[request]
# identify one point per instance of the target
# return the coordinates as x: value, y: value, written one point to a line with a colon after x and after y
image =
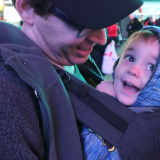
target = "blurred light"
x: 11, y: 15
x: 1, y: 2
x: 7, y: 2
x: 148, y: 9
x: 1, y: 8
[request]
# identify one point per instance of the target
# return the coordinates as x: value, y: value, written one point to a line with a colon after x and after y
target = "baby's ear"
x: 115, y: 64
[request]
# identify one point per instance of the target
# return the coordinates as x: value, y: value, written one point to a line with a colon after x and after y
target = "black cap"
x: 97, y: 14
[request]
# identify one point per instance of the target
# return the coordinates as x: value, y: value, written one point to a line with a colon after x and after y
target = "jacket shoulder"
x: 19, y: 125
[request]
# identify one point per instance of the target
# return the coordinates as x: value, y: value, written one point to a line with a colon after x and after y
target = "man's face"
x: 134, y: 69
x: 59, y: 41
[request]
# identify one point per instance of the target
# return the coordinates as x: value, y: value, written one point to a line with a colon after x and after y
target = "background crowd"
x: 114, y: 32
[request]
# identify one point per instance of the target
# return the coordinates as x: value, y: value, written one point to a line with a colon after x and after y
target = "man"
x: 59, y: 32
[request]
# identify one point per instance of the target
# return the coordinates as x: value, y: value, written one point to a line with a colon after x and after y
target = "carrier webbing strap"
x: 83, y: 93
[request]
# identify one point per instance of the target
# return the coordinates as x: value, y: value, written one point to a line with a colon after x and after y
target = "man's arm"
x: 107, y: 87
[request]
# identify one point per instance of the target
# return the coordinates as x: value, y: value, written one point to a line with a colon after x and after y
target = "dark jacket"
x: 157, y: 22
x: 150, y: 23
x: 22, y: 68
x: 129, y: 29
x: 137, y: 26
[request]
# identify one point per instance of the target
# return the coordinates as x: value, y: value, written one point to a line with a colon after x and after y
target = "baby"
x: 134, y: 69
x: 136, y: 84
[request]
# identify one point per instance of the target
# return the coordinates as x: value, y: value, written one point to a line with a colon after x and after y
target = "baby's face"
x: 134, y: 69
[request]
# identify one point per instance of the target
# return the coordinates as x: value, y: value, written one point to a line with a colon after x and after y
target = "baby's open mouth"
x: 130, y: 87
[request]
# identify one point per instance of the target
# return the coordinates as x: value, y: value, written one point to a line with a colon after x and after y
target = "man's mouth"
x: 130, y: 87
x: 84, y: 49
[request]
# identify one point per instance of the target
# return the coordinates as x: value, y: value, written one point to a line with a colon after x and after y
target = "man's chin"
x: 79, y: 61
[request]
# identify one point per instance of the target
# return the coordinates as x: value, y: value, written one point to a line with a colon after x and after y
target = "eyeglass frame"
x: 80, y: 28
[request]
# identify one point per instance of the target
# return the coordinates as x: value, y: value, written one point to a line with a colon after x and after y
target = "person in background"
x: 150, y: 22
x: 137, y: 25
x: 119, y: 35
x: 129, y: 28
x: 120, y: 25
x: 37, y: 117
x: 157, y: 22
x: 113, y: 33
x: 145, y: 22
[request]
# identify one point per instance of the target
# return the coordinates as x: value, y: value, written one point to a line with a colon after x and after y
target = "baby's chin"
x: 126, y: 102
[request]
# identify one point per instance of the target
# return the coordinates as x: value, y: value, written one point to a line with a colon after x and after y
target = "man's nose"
x: 98, y: 36
x: 134, y: 70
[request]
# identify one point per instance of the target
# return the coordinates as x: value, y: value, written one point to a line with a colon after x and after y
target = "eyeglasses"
x: 82, y: 31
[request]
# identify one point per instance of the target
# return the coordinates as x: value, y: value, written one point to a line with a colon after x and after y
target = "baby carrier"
x: 136, y: 136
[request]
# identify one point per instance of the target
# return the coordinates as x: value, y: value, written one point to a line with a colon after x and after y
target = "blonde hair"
x: 145, y: 35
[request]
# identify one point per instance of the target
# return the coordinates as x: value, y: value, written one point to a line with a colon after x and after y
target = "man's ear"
x: 25, y: 11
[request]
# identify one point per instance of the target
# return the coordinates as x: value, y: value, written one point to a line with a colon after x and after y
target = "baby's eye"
x: 150, y: 67
x: 130, y: 58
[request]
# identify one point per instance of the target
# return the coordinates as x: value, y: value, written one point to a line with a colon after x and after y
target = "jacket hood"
x: 150, y: 94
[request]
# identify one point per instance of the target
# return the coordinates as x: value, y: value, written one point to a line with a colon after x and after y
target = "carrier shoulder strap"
x: 133, y: 134
x: 97, y: 111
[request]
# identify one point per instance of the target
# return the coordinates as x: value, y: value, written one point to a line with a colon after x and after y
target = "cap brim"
x: 97, y: 14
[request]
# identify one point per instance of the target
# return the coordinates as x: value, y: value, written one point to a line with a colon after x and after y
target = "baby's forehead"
x: 146, y: 49
x: 145, y: 35
x: 145, y: 40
